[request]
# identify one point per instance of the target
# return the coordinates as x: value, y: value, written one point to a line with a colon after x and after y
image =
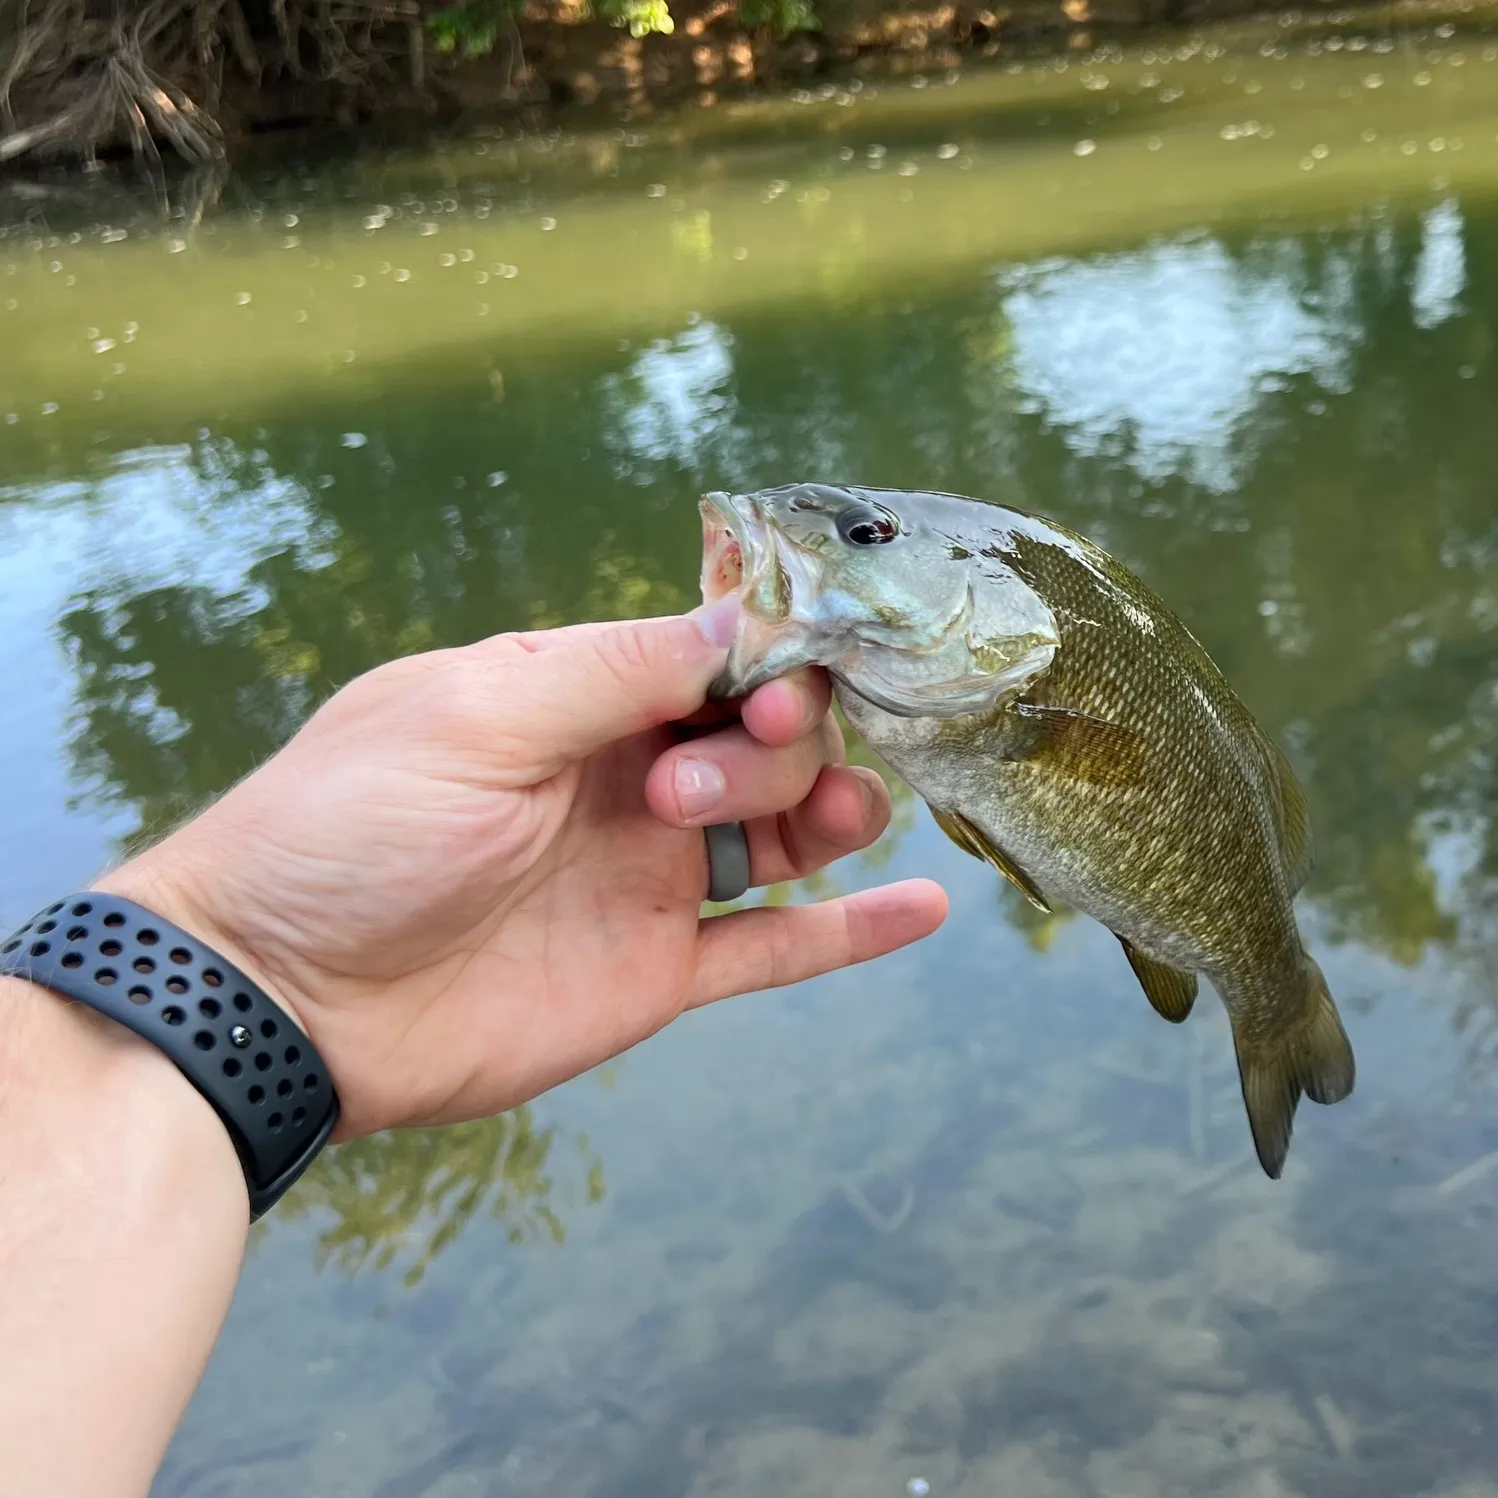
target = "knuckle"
x: 817, y: 688
x: 370, y: 694
x: 507, y: 648
x: 793, y: 845
x: 834, y: 745
x: 627, y: 653
x: 447, y: 692
x: 783, y: 957
x: 811, y: 756
x: 642, y: 668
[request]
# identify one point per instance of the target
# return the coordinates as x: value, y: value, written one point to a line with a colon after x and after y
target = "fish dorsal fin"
x: 973, y: 840
x: 1169, y: 990
x: 1077, y: 745
x: 1294, y: 819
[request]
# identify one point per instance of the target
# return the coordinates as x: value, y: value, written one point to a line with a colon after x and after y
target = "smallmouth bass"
x: 1062, y: 725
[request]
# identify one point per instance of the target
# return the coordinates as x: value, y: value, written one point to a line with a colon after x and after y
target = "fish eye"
x: 867, y: 527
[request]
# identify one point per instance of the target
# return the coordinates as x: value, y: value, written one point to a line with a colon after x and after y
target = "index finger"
x: 778, y: 714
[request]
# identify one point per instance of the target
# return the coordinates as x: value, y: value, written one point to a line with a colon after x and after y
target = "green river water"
x: 972, y: 1218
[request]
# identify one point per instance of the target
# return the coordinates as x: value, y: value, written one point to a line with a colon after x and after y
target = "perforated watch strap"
x: 239, y: 1048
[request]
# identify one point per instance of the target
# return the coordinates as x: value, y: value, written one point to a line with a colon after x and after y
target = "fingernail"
x: 699, y: 787
x: 866, y: 779
x: 718, y: 621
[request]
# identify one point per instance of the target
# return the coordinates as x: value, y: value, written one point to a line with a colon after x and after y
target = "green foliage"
x: 470, y: 27
x: 641, y: 16
x: 781, y: 16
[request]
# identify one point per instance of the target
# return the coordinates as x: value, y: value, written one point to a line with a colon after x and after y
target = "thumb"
x: 584, y: 688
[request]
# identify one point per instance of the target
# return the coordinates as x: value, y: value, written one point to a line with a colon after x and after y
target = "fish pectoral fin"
x: 1075, y: 744
x: 974, y: 840
x: 1169, y: 990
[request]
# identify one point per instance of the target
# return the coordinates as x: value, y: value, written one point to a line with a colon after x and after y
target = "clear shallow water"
x: 972, y: 1215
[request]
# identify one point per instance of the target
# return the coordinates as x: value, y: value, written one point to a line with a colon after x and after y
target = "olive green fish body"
x: 1112, y: 768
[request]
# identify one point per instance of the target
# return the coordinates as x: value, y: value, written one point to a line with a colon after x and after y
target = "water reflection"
x: 670, y: 406
x: 972, y: 1217
x: 1441, y: 270
x: 1165, y: 400
x: 1159, y: 358
x: 399, y: 1199
x: 1238, y: 419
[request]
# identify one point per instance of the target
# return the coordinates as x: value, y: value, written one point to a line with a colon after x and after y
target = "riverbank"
x: 200, y: 78
x: 712, y: 55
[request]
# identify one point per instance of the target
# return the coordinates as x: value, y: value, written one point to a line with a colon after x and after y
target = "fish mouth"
x: 724, y: 541
x: 739, y: 552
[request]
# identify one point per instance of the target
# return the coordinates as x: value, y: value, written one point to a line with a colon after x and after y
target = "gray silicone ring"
x: 727, y: 861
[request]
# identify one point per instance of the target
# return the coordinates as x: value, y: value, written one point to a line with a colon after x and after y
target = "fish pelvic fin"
x: 974, y: 840
x: 1170, y: 991
x: 1314, y: 1058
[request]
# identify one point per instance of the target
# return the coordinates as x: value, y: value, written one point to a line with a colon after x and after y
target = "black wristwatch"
x: 239, y: 1048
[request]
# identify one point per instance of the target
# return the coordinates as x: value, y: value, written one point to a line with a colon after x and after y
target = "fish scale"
x: 1064, y: 725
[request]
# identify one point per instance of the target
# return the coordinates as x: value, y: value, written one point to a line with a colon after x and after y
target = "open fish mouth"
x: 722, y: 547
x: 738, y: 551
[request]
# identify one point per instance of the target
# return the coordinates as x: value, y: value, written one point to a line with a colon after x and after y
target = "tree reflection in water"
x: 1289, y: 435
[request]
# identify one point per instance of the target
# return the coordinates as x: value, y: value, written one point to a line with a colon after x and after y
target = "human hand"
x: 477, y: 872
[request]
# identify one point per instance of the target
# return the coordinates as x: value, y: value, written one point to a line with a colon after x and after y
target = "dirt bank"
x: 552, y: 57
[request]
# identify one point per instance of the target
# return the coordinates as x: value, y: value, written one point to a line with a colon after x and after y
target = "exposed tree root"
x: 84, y: 77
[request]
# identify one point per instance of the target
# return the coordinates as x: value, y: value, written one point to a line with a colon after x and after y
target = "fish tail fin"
x: 1313, y: 1058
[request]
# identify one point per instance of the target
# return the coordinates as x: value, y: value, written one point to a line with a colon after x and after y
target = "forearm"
x: 123, y: 1215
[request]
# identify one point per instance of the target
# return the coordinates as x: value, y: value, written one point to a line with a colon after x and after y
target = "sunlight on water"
x: 1441, y: 270
x: 970, y: 1222
x: 1174, y: 345
x: 673, y: 402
